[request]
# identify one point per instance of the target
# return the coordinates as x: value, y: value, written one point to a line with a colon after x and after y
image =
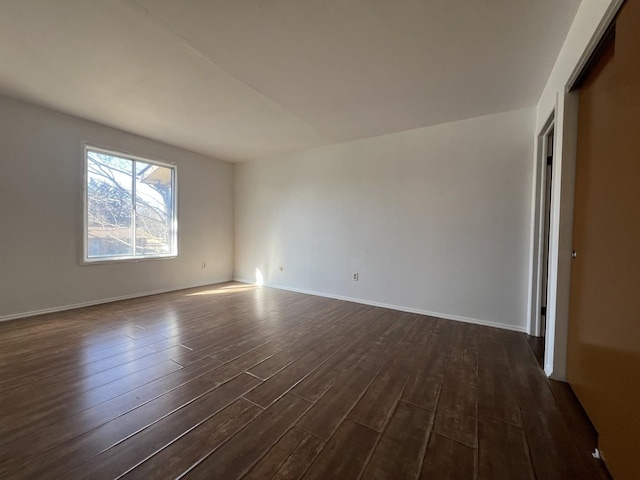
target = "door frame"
x: 539, y: 226
x: 565, y: 117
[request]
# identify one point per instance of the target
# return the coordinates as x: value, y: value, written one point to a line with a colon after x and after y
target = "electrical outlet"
x: 356, y: 276
x: 204, y: 264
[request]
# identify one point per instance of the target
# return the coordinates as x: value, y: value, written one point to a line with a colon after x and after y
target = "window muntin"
x: 129, y: 207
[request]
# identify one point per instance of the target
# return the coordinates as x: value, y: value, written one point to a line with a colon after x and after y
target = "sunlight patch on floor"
x: 222, y: 290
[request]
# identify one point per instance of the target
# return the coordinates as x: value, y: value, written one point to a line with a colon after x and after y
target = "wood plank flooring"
x: 235, y: 381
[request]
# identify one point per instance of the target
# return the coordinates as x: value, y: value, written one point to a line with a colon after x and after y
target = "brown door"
x: 603, y: 362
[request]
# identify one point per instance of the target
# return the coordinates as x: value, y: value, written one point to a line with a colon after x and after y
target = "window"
x: 129, y: 207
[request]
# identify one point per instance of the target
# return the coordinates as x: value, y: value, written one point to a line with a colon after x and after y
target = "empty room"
x: 350, y: 239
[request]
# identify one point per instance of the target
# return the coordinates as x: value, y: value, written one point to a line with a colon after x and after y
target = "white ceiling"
x: 246, y: 79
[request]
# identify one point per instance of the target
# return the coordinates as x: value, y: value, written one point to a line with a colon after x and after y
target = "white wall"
x: 435, y: 220
x: 41, y: 215
x: 591, y: 21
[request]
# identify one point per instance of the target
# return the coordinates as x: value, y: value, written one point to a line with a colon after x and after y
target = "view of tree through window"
x: 129, y: 208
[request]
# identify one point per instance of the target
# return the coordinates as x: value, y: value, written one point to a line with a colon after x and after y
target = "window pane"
x: 109, y: 205
x: 130, y: 207
x: 154, y: 202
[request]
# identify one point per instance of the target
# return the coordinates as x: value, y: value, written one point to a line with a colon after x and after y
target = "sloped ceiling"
x: 246, y: 79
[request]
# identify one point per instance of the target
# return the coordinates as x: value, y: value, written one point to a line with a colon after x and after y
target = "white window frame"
x: 85, y: 214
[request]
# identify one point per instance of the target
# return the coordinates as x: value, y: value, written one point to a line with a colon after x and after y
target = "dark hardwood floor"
x: 235, y: 381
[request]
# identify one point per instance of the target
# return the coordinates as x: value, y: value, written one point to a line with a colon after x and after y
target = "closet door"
x: 603, y: 362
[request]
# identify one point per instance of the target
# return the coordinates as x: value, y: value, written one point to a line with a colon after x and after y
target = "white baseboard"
x: 63, y: 308
x: 400, y: 308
